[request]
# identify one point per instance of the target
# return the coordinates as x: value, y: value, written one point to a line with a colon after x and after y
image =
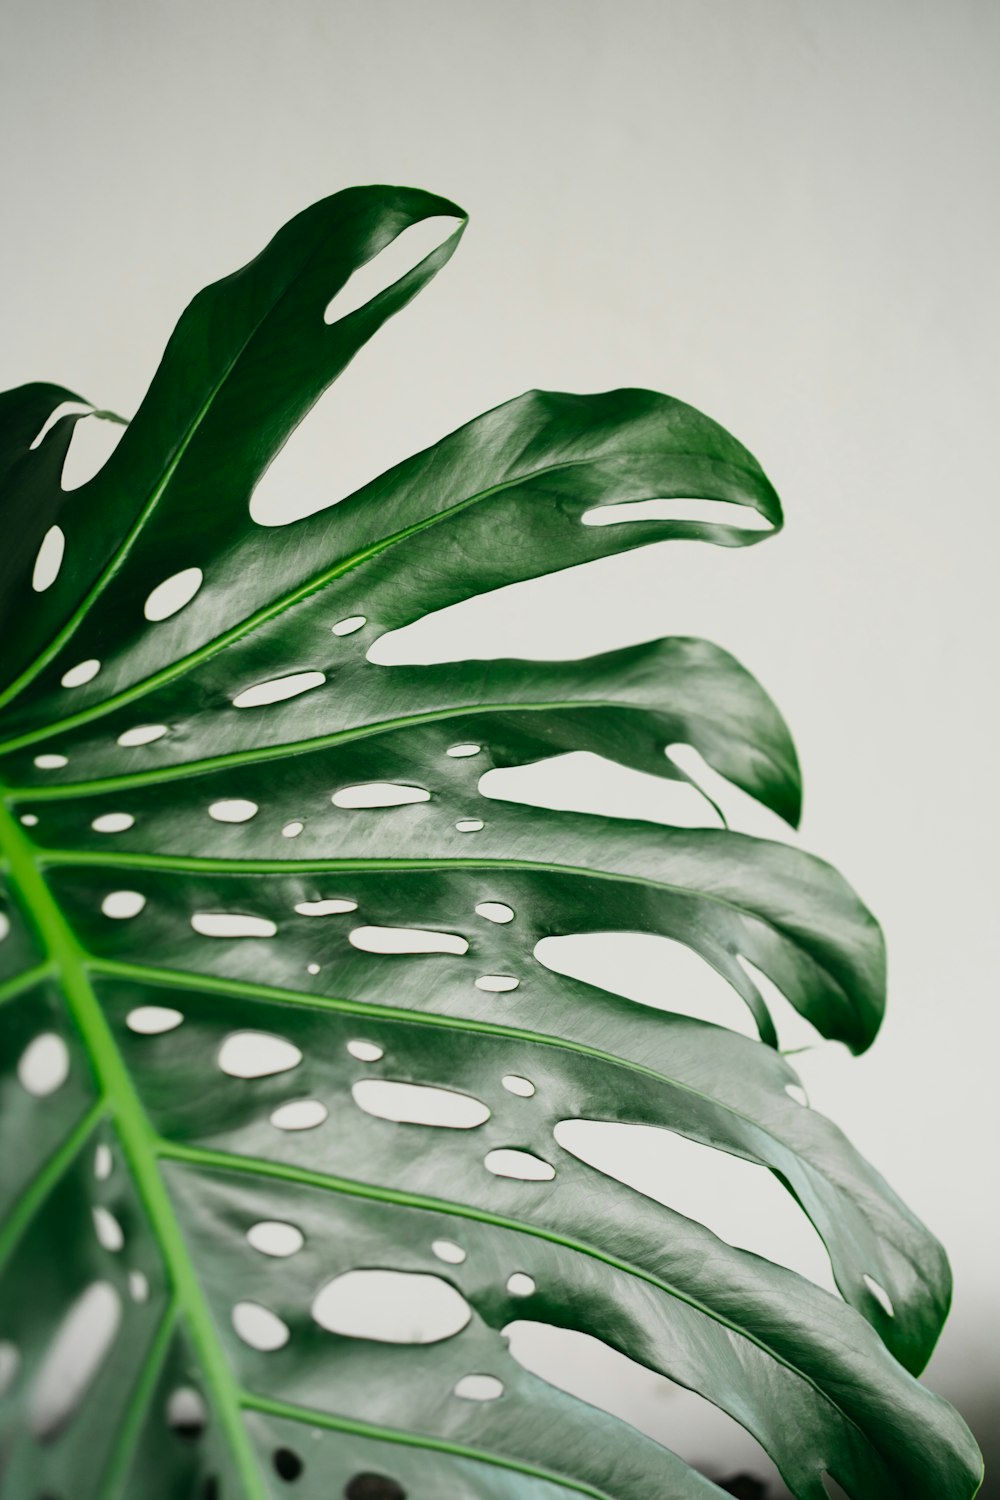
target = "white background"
x: 783, y: 212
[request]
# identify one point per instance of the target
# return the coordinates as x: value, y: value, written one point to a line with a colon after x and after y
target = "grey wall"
x: 784, y: 211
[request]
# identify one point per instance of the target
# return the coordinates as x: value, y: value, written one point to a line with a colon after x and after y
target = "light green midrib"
x: 137, y: 1140
x: 180, y: 770
x: 196, y: 864
x: 181, y: 979
x: 249, y: 756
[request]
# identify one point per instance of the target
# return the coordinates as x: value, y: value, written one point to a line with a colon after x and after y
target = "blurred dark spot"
x: 373, y: 1487
x: 744, y: 1487
x: 287, y: 1465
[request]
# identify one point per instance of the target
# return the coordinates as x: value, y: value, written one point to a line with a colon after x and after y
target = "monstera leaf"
x: 224, y: 823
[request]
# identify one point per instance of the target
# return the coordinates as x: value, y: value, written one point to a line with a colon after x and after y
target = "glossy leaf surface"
x: 223, y: 825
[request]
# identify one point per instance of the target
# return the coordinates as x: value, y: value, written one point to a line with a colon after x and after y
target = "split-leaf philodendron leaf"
x: 184, y: 864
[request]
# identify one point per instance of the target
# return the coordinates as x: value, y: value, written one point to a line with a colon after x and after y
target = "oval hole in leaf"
x: 418, y: 1104
x: 497, y: 984
x: 103, y: 1162
x: 365, y: 1051
x: 292, y: 830
x: 233, y: 810
x: 173, y: 594
x: 4, y: 925
x: 448, y: 1251
x: 72, y: 1360
x: 478, y: 1388
x: 332, y: 906
x: 186, y: 1412
x: 49, y: 559
x: 278, y: 689
x: 514, y: 1084
x: 350, y: 625
x: 495, y: 911
x: 110, y: 1235
x: 51, y: 762
x: 391, y: 1307
x: 712, y: 512
x: 29, y: 820
x: 509, y: 1161
x: 232, y: 924
x: 259, y: 1327
x: 520, y: 1285
x: 408, y: 249
x: 44, y: 1065
x: 406, y: 940
x: 152, y: 1020
x: 138, y: 1286
x: 83, y: 672
x: 113, y: 822
x: 299, y: 1114
x: 257, y: 1054
x: 379, y: 794
x: 276, y: 1238
x: 740, y: 1201
x: 469, y: 825
x: 142, y: 734
x: 463, y: 752
x: 121, y: 905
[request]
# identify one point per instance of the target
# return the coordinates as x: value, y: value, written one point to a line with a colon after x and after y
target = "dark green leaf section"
x: 626, y: 705
x: 49, y: 1264
x: 213, y: 419
x: 144, y: 1164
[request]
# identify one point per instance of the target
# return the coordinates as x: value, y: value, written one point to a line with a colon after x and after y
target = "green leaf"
x: 185, y: 863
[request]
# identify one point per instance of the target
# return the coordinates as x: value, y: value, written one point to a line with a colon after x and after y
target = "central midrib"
x: 138, y: 1143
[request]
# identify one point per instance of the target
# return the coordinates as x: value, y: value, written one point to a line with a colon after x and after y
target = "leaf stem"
x: 138, y: 1142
